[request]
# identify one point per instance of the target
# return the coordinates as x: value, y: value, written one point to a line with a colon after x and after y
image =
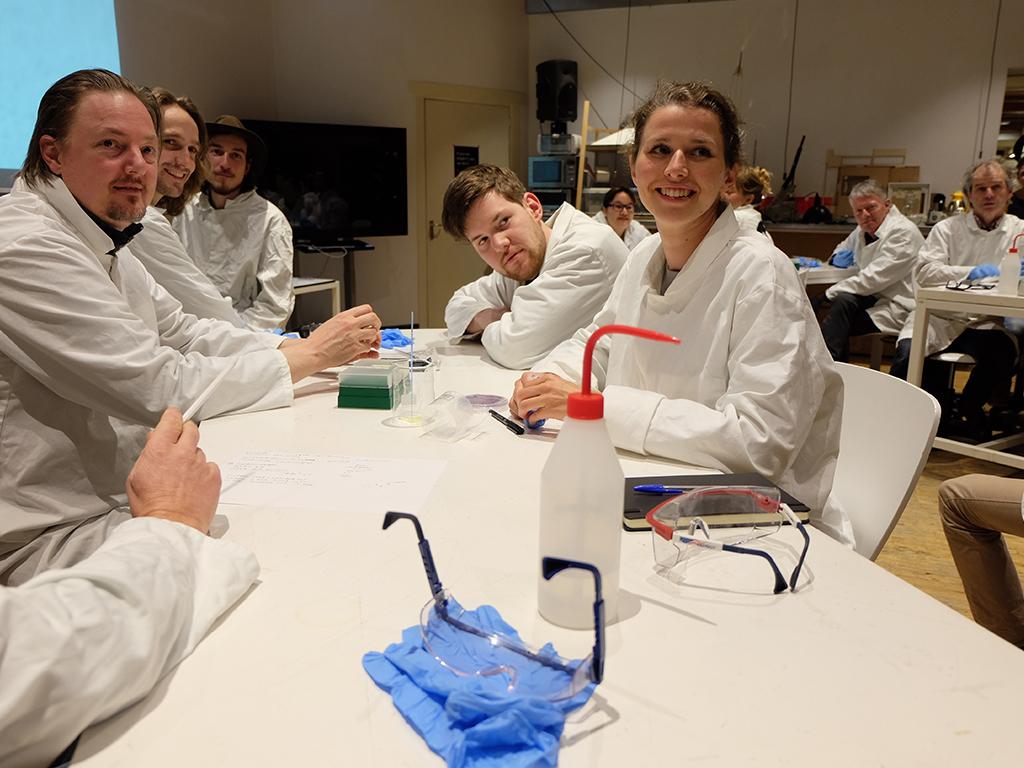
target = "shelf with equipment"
x: 605, y: 164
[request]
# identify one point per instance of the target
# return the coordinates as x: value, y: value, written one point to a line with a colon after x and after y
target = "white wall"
x: 866, y: 73
x: 324, y: 61
x: 219, y: 53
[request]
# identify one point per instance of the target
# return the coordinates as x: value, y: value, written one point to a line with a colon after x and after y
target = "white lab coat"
x: 750, y: 388
x: 580, y: 265
x: 747, y: 216
x: 245, y: 249
x: 634, y: 233
x: 162, y: 254
x: 92, y: 351
x: 80, y: 644
x: 885, y: 270
x: 954, y: 247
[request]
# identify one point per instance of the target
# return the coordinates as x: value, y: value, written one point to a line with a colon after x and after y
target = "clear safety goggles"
x: 461, y: 643
x: 706, y: 519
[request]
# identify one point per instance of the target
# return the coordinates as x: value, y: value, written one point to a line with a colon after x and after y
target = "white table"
x: 986, y: 302
x: 301, y: 285
x: 857, y: 668
x: 827, y: 274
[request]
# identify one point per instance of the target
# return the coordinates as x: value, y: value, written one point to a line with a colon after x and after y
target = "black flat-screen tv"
x: 335, y: 182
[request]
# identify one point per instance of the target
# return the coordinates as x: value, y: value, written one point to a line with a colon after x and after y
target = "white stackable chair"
x: 888, y: 429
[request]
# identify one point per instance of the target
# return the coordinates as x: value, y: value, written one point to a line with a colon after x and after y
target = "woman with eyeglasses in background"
x: 752, y: 387
x: 617, y: 212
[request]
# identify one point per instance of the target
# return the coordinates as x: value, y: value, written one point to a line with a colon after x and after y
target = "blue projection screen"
x: 43, y: 40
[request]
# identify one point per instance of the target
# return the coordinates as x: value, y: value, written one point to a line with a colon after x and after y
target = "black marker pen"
x: 509, y: 424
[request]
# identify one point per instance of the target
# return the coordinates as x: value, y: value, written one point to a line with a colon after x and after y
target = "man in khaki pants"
x: 976, y: 511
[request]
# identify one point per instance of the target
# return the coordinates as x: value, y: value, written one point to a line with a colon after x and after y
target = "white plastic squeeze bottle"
x: 581, y: 496
x: 1009, y: 272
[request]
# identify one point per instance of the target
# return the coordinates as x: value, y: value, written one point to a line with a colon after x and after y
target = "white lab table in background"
x: 857, y: 668
x: 302, y: 285
x: 985, y: 302
x: 827, y: 275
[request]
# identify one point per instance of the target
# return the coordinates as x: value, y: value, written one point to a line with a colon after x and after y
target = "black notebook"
x: 636, y: 504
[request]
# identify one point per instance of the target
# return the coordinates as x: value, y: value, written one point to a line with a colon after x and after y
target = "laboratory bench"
x: 855, y: 668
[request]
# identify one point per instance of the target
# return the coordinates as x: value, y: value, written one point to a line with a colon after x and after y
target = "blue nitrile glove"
x: 802, y: 262
x: 474, y: 720
x: 983, y: 270
x: 392, y: 337
x: 289, y: 335
x: 842, y: 259
x: 1022, y: 268
x: 1014, y: 325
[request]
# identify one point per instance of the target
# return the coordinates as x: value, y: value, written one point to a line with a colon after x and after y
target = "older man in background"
x: 880, y: 296
x: 962, y: 248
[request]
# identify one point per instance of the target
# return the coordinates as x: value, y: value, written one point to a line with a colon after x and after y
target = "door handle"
x: 434, y: 231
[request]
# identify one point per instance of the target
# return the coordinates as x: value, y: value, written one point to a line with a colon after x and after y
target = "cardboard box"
x: 849, y: 175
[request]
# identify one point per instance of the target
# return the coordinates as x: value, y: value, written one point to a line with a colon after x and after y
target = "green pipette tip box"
x: 374, y: 384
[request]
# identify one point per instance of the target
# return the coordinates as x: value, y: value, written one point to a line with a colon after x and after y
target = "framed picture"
x: 910, y: 197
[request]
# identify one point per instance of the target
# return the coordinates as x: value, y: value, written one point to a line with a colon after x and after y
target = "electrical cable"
x: 592, y: 107
x: 625, y: 59
x: 991, y: 76
x: 792, y: 62
x: 582, y: 48
x: 309, y: 247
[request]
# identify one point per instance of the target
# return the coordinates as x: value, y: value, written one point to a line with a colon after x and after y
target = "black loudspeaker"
x: 556, y: 90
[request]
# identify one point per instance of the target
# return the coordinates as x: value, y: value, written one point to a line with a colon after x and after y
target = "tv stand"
x: 346, y: 248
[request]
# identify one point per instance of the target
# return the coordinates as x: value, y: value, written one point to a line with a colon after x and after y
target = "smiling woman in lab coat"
x: 751, y: 387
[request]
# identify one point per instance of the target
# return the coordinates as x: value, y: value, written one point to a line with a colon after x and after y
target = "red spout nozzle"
x: 589, y: 405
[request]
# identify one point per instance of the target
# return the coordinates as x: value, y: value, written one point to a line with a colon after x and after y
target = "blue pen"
x: 669, y: 490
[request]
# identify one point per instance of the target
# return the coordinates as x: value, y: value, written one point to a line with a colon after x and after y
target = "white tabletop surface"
x: 304, y: 282
x: 828, y: 275
x: 857, y: 668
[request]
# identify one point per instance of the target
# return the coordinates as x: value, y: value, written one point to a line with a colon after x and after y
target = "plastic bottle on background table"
x: 581, y: 498
x: 1009, y: 272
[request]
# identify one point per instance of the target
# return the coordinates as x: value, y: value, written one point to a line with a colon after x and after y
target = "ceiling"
x: 559, y: 6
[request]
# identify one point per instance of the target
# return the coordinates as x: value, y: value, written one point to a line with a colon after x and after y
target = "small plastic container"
x: 417, y: 394
x: 374, y: 384
x: 451, y: 417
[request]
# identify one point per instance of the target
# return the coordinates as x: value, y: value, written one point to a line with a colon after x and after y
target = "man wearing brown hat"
x: 240, y: 240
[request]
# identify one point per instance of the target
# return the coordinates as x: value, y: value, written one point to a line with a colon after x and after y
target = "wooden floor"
x: 917, y: 551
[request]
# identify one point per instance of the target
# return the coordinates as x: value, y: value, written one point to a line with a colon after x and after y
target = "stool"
x: 878, y: 347
x: 953, y: 359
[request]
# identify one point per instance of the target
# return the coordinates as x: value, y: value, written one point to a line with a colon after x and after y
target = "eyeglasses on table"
x: 967, y: 285
x: 465, y: 648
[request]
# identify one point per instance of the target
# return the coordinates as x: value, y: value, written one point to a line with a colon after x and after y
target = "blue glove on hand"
x: 802, y: 262
x: 392, y: 337
x: 842, y: 259
x: 983, y: 270
x: 474, y: 720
